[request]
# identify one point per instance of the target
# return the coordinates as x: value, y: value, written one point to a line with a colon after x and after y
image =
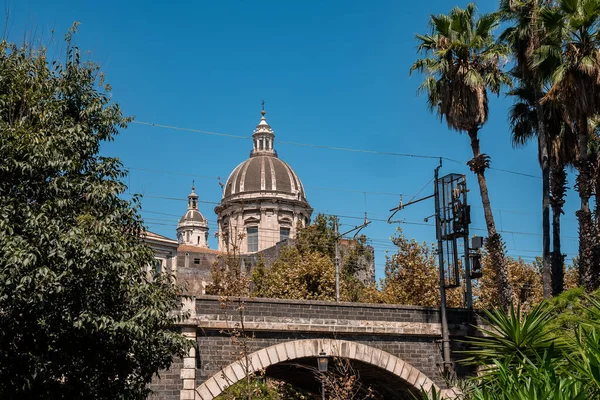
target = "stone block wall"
x: 410, y: 333
x: 304, y: 309
x: 169, y: 384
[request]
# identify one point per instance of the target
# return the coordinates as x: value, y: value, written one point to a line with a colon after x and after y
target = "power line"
x: 306, y: 186
x: 317, y: 146
x: 377, y: 244
x: 178, y: 199
x: 157, y: 171
x: 383, y: 220
x: 324, y: 189
x: 335, y: 148
x: 400, y: 222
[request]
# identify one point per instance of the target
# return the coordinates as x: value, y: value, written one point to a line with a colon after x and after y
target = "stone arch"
x: 287, y: 351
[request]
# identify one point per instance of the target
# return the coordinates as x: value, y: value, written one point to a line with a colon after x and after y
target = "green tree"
x: 79, y: 316
x: 306, y: 265
x: 318, y: 236
x: 462, y: 64
x: 296, y: 275
x: 560, y: 139
x: 412, y: 276
x: 540, y: 354
x: 525, y: 34
x: 574, y: 47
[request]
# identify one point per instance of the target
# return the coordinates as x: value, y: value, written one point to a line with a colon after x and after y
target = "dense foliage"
x: 262, y: 388
x: 79, y: 317
x: 304, y: 268
x: 532, y: 356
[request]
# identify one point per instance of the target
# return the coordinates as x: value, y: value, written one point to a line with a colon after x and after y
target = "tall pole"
x: 337, y: 262
x: 468, y: 286
x: 443, y: 316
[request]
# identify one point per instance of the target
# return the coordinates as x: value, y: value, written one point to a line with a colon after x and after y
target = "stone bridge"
x: 395, y: 349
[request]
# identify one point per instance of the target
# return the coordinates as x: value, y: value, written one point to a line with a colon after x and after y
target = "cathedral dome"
x: 192, y: 216
x: 264, y: 173
x: 192, y: 228
x: 263, y: 199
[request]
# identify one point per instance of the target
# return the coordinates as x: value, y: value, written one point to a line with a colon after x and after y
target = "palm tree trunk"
x: 558, y: 184
x: 545, y: 162
x: 596, y: 265
x: 494, y: 245
x: 584, y: 186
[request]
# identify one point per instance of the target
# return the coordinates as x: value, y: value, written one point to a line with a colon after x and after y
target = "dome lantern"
x: 263, y: 137
x: 192, y: 228
x: 193, y: 199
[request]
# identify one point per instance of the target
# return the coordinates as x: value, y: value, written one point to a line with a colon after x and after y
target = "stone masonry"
x: 407, y: 334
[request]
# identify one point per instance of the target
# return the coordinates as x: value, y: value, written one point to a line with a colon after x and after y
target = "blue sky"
x: 332, y: 73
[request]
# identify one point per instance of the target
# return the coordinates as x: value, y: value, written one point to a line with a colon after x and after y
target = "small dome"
x: 264, y: 173
x: 192, y: 216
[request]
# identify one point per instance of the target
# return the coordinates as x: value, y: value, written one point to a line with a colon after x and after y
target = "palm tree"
x: 563, y: 154
x: 462, y: 64
x: 523, y: 36
x: 561, y: 150
x: 573, y: 25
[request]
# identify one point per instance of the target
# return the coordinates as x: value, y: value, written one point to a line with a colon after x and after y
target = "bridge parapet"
x: 322, y: 316
x: 410, y: 335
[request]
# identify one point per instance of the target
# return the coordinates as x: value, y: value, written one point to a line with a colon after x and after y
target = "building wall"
x: 194, y: 266
x: 269, y: 215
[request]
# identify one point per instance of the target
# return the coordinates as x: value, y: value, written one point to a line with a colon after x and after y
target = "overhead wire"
x: 335, y: 148
x: 411, y: 223
x: 322, y: 188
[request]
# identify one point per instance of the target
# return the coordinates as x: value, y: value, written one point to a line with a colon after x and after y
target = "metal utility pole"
x: 447, y: 363
x: 452, y: 219
x: 337, y: 264
x: 338, y: 236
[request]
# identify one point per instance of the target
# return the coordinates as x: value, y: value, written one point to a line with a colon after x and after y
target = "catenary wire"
x: 318, y: 146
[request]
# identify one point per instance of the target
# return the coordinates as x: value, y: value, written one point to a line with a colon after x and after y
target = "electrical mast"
x: 452, y: 219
